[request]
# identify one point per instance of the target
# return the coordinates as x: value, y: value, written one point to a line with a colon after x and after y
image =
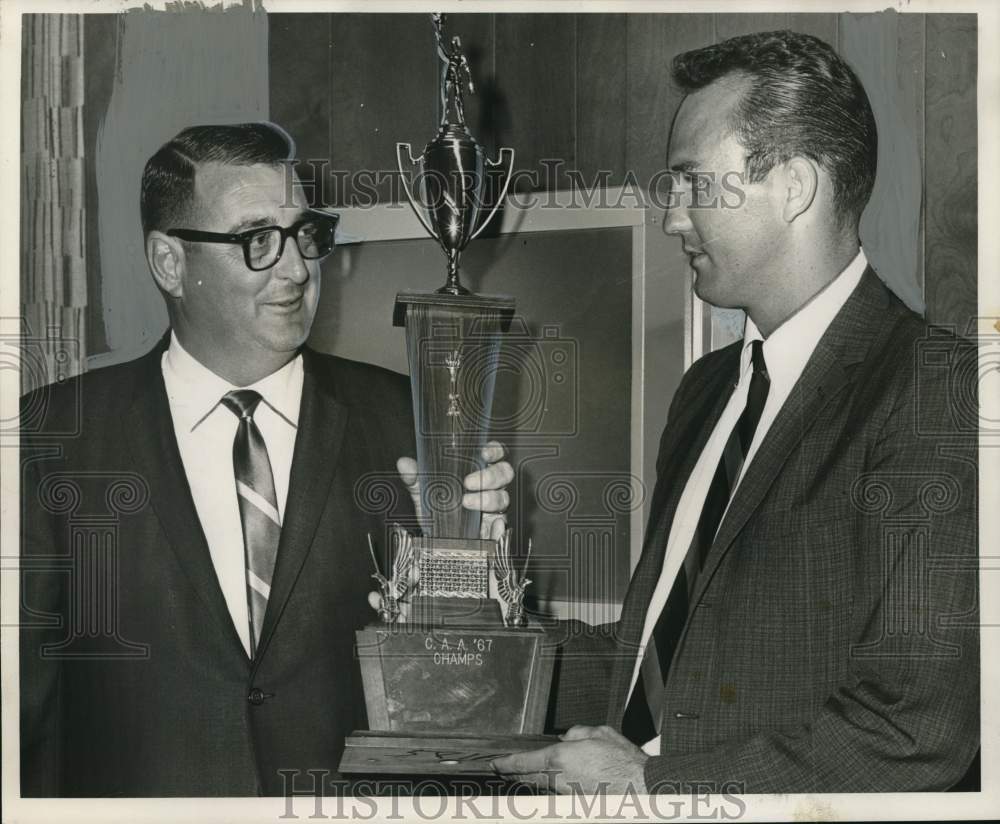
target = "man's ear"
x: 800, y: 181
x: 165, y: 256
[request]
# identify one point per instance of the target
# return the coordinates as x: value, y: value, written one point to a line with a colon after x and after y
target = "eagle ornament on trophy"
x: 394, y: 588
x: 510, y: 587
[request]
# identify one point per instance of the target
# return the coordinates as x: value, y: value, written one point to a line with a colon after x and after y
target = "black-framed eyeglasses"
x: 262, y: 247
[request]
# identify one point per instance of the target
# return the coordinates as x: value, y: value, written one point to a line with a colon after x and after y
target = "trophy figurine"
x: 465, y: 677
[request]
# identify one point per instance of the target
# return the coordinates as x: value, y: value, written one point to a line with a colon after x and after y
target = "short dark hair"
x: 168, y: 179
x: 802, y: 99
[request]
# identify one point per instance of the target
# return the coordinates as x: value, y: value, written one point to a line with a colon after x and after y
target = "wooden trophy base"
x: 392, y: 753
x: 448, y: 700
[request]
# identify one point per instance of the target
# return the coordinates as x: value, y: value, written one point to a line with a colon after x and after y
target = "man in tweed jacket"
x: 830, y: 642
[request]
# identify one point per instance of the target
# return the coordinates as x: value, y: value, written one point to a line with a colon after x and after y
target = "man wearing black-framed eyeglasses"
x: 240, y: 567
x: 241, y: 311
x: 262, y: 248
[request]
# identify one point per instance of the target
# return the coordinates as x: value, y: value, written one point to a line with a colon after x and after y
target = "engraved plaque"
x: 433, y: 679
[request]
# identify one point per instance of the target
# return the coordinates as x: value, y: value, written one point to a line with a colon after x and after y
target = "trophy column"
x: 453, y: 346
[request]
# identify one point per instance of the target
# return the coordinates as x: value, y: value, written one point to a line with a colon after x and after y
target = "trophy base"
x: 393, y: 753
x: 484, y: 682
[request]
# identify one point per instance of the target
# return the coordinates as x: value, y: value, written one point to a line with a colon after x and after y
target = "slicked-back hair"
x: 802, y: 100
x: 168, y: 179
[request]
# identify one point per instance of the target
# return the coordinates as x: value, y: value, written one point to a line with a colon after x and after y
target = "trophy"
x: 464, y: 679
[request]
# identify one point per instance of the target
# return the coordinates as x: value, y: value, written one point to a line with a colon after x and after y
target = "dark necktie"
x: 258, y: 507
x: 641, y: 720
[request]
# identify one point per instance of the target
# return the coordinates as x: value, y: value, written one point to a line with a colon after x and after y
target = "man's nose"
x: 292, y: 265
x: 676, y: 220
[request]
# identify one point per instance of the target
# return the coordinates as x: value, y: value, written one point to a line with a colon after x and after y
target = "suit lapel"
x: 679, y: 454
x: 322, y: 423
x: 149, y: 431
x: 677, y: 462
x: 828, y: 371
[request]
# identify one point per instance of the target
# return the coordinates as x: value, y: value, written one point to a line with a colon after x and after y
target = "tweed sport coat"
x: 143, y: 688
x: 832, y: 642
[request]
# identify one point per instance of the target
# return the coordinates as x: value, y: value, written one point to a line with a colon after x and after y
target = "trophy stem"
x: 452, y: 286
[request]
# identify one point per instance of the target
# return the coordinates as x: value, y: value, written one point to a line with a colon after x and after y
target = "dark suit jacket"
x: 133, y: 679
x: 832, y: 643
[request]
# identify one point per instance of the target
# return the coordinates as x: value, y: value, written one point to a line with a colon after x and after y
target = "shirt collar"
x: 195, y: 390
x: 789, y: 347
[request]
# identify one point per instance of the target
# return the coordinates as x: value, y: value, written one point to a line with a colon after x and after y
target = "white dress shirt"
x: 205, y: 431
x: 786, y: 352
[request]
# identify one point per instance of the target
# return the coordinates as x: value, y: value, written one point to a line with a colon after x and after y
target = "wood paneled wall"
x: 593, y: 91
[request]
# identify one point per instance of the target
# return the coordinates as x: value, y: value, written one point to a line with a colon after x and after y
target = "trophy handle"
x: 419, y: 212
x: 503, y: 192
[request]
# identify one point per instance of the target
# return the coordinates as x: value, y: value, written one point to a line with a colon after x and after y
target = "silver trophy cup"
x: 450, y: 181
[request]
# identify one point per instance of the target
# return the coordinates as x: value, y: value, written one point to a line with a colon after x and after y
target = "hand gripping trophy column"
x: 463, y: 680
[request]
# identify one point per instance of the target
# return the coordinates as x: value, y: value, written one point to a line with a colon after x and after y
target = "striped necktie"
x: 640, y: 722
x: 258, y: 507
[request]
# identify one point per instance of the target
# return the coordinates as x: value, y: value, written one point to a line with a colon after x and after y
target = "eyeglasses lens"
x: 315, y: 238
x: 262, y: 248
